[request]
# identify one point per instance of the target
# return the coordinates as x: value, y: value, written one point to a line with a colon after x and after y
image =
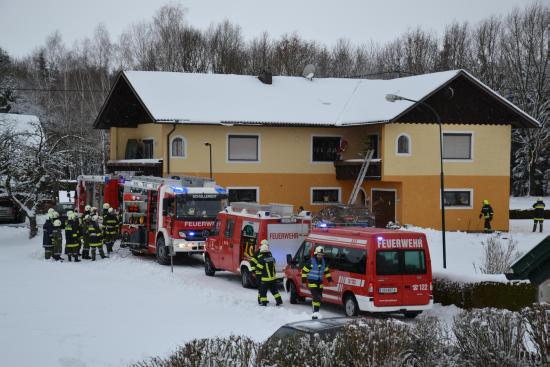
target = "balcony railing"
x: 349, y: 169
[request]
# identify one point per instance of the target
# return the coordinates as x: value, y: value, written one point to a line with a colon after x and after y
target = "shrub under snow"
x: 498, y: 255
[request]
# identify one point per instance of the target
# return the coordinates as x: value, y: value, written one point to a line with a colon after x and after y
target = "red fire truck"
x: 97, y: 190
x: 239, y: 230
x: 374, y: 269
x: 169, y: 216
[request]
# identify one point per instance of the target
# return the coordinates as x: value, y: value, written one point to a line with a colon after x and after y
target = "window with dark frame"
x: 247, y: 195
x: 148, y: 148
x: 325, y: 148
x: 243, y: 148
x: 326, y: 196
x: 403, y: 145
x: 372, y: 144
x: 400, y: 262
x: 178, y: 147
x: 458, y: 198
x: 457, y: 146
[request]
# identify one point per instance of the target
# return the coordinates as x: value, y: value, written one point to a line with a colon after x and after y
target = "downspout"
x: 168, y: 147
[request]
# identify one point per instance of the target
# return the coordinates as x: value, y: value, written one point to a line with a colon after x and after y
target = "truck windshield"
x: 187, y: 208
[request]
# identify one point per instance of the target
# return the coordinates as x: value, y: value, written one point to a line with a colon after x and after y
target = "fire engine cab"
x: 97, y: 190
x: 169, y: 216
x: 239, y: 230
x: 373, y: 269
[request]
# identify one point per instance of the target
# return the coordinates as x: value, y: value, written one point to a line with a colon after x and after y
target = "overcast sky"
x: 25, y: 24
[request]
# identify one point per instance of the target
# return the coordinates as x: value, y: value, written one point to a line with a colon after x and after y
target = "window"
x: 243, y: 194
x: 215, y: 228
x: 325, y: 148
x: 347, y: 259
x: 229, y: 225
x: 372, y: 143
x: 403, y: 145
x: 325, y: 195
x: 387, y: 263
x: 178, y: 147
x: 148, y: 148
x: 415, y: 263
x: 303, y: 254
x: 458, y: 198
x: 457, y: 145
x: 243, y: 148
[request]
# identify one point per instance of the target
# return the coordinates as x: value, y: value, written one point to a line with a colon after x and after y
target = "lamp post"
x: 393, y: 98
x: 210, y: 151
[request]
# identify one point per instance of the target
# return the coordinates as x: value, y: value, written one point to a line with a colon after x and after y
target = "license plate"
x: 387, y: 290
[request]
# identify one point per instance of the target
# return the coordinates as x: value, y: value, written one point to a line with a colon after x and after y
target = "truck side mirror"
x: 289, y: 259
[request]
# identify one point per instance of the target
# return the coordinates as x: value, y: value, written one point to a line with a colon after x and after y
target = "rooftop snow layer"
x: 217, y: 98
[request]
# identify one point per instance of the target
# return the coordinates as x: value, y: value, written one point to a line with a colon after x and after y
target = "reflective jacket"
x: 254, y: 263
x: 487, y: 211
x: 93, y: 234
x: 110, y: 222
x: 72, y: 232
x: 314, y: 271
x: 539, y: 210
x: 266, y: 267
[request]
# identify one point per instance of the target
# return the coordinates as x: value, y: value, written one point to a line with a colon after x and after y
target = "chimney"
x: 266, y: 77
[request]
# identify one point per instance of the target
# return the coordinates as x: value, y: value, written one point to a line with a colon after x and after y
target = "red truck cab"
x: 373, y: 270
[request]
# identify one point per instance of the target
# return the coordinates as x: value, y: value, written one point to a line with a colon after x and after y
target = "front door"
x: 383, y: 207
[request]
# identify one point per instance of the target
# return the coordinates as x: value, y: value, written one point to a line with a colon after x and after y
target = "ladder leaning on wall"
x: 361, y: 176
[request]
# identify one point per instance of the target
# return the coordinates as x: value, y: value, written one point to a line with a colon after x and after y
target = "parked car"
x: 343, y: 215
x: 324, y: 328
x: 10, y: 212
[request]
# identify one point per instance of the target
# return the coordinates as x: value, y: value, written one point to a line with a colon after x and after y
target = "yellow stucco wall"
x: 144, y: 131
x: 490, y: 154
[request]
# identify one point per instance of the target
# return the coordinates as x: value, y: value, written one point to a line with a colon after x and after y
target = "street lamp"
x: 393, y: 98
x: 210, y: 151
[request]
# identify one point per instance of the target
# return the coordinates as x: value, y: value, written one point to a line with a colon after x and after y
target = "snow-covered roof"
x: 244, y: 99
x: 216, y: 98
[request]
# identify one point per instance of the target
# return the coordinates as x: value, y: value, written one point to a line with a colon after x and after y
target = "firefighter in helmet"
x: 313, y: 273
x: 539, y: 214
x: 72, y: 236
x: 85, y: 238
x: 57, y: 239
x: 106, y: 207
x: 87, y: 210
x: 254, y: 269
x: 110, y: 227
x: 94, y: 238
x: 47, y: 235
x: 487, y: 214
x: 268, y: 277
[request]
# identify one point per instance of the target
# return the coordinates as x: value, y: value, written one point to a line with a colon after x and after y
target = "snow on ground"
x: 120, y: 310
x: 526, y: 202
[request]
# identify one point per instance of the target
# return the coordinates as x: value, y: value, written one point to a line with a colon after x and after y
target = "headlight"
x: 182, y: 234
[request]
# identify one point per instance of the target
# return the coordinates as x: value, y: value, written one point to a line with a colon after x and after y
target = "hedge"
x: 526, y: 214
x: 511, y: 295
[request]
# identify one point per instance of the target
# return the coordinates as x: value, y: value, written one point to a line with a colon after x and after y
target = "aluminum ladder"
x: 360, y: 177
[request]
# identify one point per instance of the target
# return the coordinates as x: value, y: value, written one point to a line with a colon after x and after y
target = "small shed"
x: 535, y: 266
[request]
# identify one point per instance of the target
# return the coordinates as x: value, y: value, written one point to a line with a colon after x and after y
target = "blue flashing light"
x: 379, y: 238
x: 191, y: 234
x: 220, y: 190
x: 322, y: 225
x: 106, y: 179
x: 179, y: 190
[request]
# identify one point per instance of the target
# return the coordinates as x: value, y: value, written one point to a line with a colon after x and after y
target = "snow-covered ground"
x: 526, y: 202
x: 120, y: 310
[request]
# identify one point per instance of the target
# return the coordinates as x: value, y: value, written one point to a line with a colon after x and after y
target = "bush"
x: 537, y: 319
x: 498, y: 257
x: 490, y: 337
x: 510, y: 295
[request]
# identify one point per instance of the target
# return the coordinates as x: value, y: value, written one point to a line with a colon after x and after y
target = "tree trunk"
x: 33, y: 228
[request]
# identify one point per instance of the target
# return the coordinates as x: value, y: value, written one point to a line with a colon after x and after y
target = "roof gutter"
x: 168, y: 147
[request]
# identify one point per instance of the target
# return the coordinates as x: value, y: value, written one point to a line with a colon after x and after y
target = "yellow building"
x: 302, y: 141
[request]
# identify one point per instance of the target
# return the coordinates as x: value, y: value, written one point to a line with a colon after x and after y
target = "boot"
x: 76, y: 259
x: 535, y: 227
x: 93, y: 257
x: 70, y: 258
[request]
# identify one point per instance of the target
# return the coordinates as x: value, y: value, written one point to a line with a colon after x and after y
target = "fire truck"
x: 97, y: 190
x: 169, y: 216
x: 239, y: 230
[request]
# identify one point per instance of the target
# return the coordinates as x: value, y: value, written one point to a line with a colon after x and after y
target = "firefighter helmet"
x: 111, y: 210
x: 55, y: 215
x: 485, y: 202
x: 264, y: 247
x: 87, y: 208
x: 70, y: 214
x: 106, y: 206
x: 319, y: 250
x: 95, y: 217
x: 57, y: 223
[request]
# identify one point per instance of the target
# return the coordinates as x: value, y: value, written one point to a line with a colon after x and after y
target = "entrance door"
x: 383, y: 207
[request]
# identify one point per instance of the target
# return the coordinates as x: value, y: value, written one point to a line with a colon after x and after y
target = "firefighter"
x: 87, y: 210
x: 106, y: 207
x: 539, y: 214
x: 256, y: 271
x: 85, y: 242
x: 110, y: 225
x: 93, y: 237
x: 266, y: 266
x: 487, y: 214
x: 72, y: 236
x: 313, y: 273
x: 47, y: 235
x: 57, y: 240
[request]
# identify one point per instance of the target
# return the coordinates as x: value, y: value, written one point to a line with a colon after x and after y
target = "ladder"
x: 360, y: 177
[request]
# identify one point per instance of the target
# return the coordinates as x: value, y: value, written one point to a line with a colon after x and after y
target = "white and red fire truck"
x: 97, y: 190
x: 239, y: 230
x: 169, y: 216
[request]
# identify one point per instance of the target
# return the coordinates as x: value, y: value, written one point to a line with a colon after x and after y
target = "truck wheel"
x: 162, y: 252
x: 246, y: 278
x: 350, y: 306
x: 208, y: 267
